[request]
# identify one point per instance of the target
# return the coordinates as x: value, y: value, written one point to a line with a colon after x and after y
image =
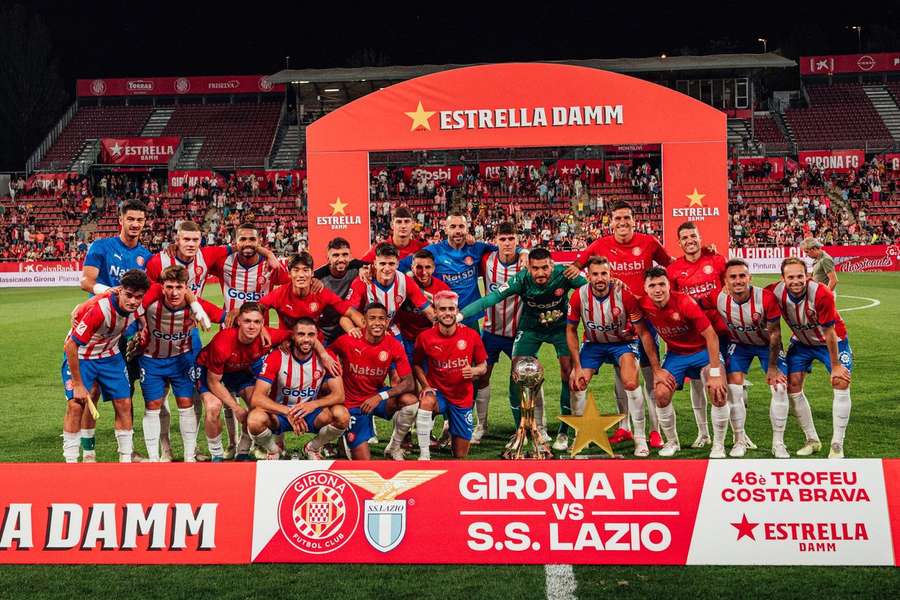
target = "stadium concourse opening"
x: 518, y: 105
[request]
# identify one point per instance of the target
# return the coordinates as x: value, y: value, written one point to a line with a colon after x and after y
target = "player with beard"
x: 412, y: 322
x: 819, y: 334
x: 293, y: 392
x: 630, y: 254
x: 342, y: 269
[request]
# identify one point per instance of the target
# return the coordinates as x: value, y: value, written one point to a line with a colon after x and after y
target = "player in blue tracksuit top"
x: 456, y: 263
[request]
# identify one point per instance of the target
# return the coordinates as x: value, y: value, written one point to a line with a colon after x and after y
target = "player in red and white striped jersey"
x: 612, y: 325
x: 753, y: 318
x: 92, y: 356
x: 293, y: 392
x: 186, y: 251
x: 168, y: 358
x: 501, y: 321
x: 819, y: 335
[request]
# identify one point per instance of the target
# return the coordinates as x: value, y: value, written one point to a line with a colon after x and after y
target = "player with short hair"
x: 402, y: 223
x: 543, y: 289
x: 692, y: 350
x: 366, y: 363
x: 448, y: 358
x: 294, y: 392
x: 229, y: 365
x: 630, y: 254
x: 168, y: 359
x: 753, y: 318
x: 337, y: 275
x: 411, y: 321
x: 612, y: 328
x: 819, y: 334
x: 93, y: 357
x: 501, y: 321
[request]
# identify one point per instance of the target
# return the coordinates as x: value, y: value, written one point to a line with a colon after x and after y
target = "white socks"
x: 230, y: 427
x: 698, y: 404
x: 215, y: 446
x: 151, y: 434
x: 187, y: 425
x: 482, y: 398
x: 804, y: 415
x: 71, y: 445
x: 719, y: 416
x: 636, y: 410
x: 266, y: 441
x: 326, y: 434
x: 403, y: 420
x: 738, y: 409
x: 666, y: 416
x: 424, y: 424
x: 622, y: 405
x: 579, y: 401
x: 778, y: 413
x: 125, y: 440
x: 647, y: 388
x: 840, y: 415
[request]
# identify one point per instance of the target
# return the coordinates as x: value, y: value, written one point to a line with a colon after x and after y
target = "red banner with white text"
x: 138, y: 150
x: 891, y: 161
x: 874, y: 62
x: 755, y: 167
x: 847, y: 259
x: 511, y: 168
x: 40, y: 274
x: 747, y: 512
x: 179, y: 179
x: 177, y: 86
x: 839, y: 161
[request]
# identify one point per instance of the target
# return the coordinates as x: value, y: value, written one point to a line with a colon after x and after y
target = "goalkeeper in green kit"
x: 544, y: 291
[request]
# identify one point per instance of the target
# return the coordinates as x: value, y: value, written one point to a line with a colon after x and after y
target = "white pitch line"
x: 873, y: 302
x: 561, y: 584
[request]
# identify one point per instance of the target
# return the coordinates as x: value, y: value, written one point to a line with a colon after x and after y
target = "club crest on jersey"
x: 707, y: 269
x: 616, y: 311
x: 398, y: 300
x: 559, y: 292
x: 811, y: 314
x: 318, y: 512
x: 636, y: 251
x: 140, y: 261
x: 468, y: 260
x: 314, y: 306
x: 676, y: 316
x: 755, y: 316
x: 461, y: 344
x: 385, y: 515
x: 383, y: 356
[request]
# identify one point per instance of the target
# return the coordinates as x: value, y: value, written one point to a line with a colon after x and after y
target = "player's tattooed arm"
x: 218, y: 389
x: 774, y: 377
x: 840, y: 375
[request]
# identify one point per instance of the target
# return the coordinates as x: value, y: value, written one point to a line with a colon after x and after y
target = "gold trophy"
x: 526, y: 442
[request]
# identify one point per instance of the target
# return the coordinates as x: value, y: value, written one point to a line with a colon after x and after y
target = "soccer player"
x: 342, y: 269
x: 402, y: 223
x: 93, y: 357
x: 297, y: 300
x: 612, y: 326
x: 411, y: 322
x: 389, y: 288
x: 692, y: 350
x: 366, y: 363
x: 501, y: 321
x: 168, y: 359
x: 819, y: 334
x: 294, y: 392
x: 448, y: 358
x: 543, y: 289
x: 630, y: 254
x: 229, y: 365
x: 753, y: 318
x: 699, y: 275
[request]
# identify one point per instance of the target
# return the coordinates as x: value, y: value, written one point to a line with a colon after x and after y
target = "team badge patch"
x: 461, y: 344
x: 398, y: 300
x: 140, y: 261
x: 616, y: 311
x: 468, y: 260
x: 383, y: 356
x: 318, y: 512
x: 558, y: 292
x: 707, y: 269
x: 636, y: 251
x: 756, y: 316
x: 676, y: 316
x: 313, y: 306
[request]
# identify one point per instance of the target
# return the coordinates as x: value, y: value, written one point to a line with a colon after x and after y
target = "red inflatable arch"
x: 517, y: 105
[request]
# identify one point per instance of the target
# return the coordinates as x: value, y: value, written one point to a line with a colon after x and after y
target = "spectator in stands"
x: 823, y: 266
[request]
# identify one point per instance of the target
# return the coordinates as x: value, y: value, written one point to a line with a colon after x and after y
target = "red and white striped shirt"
x: 198, y: 269
x: 608, y: 320
x: 100, y: 326
x: 392, y: 296
x: 809, y: 315
x: 248, y: 284
x: 293, y: 380
x: 169, y: 329
x: 502, y: 318
x: 748, y: 321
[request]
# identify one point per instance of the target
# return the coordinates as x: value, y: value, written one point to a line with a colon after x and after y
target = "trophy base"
x: 592, y: 457
x: 525, y: 444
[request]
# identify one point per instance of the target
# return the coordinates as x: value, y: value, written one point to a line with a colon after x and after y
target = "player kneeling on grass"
x: 168, y: 357
x: 92, y: 356
x: 367, y: 361
x: 692, y: 350
x: 448, y: 358
x: 294, y: 392
x: 229, y: 365
x: 819, y: 334
x: 612, y: 326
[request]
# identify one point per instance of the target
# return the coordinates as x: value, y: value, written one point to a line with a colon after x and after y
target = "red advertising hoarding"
x: 875, y: 62
x: 177, y: 86
x: 839, y: 161
x: 138, y: 150
x: 179, y: 179
x: 847, y: 259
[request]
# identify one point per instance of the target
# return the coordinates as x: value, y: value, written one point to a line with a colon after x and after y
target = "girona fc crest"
x: 398, y: 300
x: 182, y: 85
x: 468, y: 260
x: 140, y: 261
x: 636, y: 251
x: 461, y: 344
x: 616, y: 311
x: 98, y: 87
x: 756, y: 317
x: 383, y: 356
x: 318, y: 512
x: 313, y: 306
x: 559, y: 292
x: 708, y: 269
x: 676, y: 316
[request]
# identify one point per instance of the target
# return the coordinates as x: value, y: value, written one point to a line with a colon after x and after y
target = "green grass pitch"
x: 33, y: 323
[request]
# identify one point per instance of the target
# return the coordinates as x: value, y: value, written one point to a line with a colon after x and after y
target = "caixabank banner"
x: 736, y: 512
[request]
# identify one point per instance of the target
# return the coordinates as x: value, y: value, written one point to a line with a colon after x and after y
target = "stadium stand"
x: 767, y: 131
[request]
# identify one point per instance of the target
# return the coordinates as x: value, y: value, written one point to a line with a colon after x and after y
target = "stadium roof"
x: 373, y: 75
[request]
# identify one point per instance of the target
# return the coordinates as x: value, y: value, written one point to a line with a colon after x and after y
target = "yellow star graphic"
x: 696, y: 198
x: 420, y: 117
x: 337, y: 207
x: 591, y: 427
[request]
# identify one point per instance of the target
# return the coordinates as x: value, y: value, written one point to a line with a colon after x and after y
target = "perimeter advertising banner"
x: 829, y: 64
x: 40, y: 273
x: 847, y: 259
x: 138, y: 150
x: 177, y: 86
x: 742, y: 512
